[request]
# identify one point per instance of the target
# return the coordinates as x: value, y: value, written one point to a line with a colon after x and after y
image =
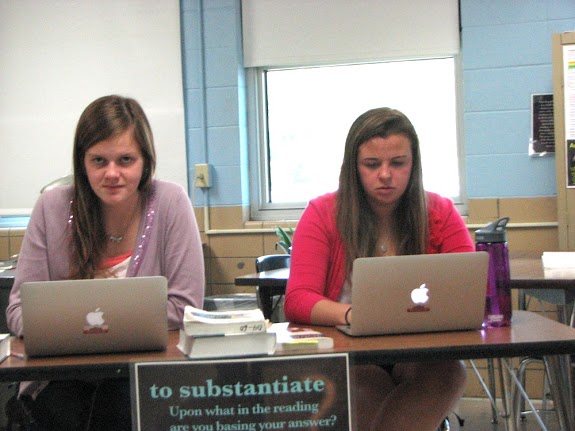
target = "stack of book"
x: 293, y: 337
x: 225, y: 334
x: 240, y: 333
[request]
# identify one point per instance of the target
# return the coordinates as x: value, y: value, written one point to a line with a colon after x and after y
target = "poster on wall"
x: 542, y: 125
x: 307, y: 392
x: 569, y: 89
x: 570, y: 162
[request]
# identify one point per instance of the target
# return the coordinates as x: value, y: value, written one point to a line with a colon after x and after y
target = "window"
x: 305, y: 114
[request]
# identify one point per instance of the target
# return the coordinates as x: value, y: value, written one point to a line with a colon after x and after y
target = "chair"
x: 62, y: 181
x: 519, y: 398
x: 267, y: 298
x: 563, y: 315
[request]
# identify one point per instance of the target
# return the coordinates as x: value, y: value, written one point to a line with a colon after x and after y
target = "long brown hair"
x: 356, y: 222
x: 102, y: 119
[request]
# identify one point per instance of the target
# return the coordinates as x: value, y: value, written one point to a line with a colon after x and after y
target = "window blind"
x: 316, y: 32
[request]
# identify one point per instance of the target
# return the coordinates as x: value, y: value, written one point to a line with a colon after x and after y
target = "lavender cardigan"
x: 168, y: 244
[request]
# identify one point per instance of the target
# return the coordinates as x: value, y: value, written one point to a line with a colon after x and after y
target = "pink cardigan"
x: 317, y: 269
x: 169, y: 244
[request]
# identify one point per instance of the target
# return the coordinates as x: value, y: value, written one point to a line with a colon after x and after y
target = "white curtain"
x: 315, y: 32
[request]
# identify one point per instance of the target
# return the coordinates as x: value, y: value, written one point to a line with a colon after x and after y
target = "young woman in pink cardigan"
x: 379, y: 209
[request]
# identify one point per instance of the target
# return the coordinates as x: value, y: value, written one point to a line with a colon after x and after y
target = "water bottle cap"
x: 493, y: 232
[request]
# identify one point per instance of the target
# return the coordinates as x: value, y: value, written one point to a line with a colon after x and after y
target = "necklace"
x: 382, y: 248
x: 118, y: 239
x: 384, y: 244
x: 386, y: 238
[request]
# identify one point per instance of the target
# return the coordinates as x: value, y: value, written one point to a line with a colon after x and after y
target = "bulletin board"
x: 563, y: 46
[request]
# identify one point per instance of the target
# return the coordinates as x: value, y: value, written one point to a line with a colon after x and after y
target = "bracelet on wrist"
x: 346, y: 316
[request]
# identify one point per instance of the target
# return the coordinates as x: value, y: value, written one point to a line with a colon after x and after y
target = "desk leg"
x: 492, y: 389
x: 522, y: 302
x: 266, y: 301
x: 511, y: 382
x: 508, y: 411
x: 559, y: 368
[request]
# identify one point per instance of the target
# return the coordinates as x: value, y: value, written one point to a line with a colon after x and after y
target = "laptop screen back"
x: 418, y: 293
x: 94, y: 316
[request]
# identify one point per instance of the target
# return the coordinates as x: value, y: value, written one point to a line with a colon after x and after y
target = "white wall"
x: 56, y: 57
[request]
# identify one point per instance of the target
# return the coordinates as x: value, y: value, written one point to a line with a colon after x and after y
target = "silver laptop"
x: 94, y: 316
x: 418, y: 293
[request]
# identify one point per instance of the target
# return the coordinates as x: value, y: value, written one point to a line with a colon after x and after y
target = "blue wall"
x: 214, y: 98
x: 506, y: 48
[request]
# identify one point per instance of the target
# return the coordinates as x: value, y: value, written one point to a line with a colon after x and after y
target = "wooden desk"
x: 526, y: 273
x: 270, y: 283
x: 530, y: 334
x: 555, y: 288
x: 80, y: 366
x: 272, y: 278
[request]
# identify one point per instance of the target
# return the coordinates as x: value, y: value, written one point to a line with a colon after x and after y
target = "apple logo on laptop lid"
x: 95, y: 322
x: 420, y: 297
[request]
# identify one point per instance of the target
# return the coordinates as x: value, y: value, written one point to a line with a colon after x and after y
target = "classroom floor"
x: 477, y: 415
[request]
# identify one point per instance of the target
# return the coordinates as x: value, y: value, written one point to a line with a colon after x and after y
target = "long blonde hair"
x: 356, y: 222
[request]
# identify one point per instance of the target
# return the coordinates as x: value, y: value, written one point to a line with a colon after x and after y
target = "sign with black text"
x: 308, y: 392
x: 542, y: 124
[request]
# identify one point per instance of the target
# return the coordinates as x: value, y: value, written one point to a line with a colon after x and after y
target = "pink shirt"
x: 317, y: 269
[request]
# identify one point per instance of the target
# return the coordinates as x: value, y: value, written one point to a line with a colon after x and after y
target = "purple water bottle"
x: 492, y: 238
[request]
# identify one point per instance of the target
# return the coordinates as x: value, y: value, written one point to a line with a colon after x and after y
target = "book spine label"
x: 224, y: 329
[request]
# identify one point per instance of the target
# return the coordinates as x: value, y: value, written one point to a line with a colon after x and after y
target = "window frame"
x: 260, y: 207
